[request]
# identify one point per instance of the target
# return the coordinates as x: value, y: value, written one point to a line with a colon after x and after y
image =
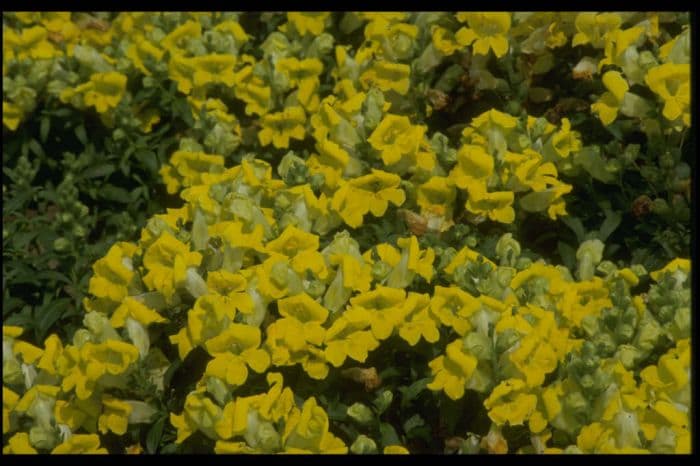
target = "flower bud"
x: 361, y: 413
x: 363, y: 445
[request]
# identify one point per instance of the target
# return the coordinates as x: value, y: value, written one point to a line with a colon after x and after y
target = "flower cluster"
x: 260, y: 275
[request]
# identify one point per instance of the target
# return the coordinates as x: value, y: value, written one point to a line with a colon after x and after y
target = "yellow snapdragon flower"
x: 672, y: 83
x: 487, y: 31
x: 452, y: 370
x: 608, y: 105
x: 279, y: 127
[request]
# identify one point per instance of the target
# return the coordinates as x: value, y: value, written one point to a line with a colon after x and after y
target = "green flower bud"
x: 589, y: 254
x: 360, y: 413
x: 628, y: 355
x: 98, y: 324
x: 82, y: 336
x: 507, y: 249
x: 279, y: 274
x: 12, y: 372
x: 372, y: 108
x: 268, y: 438
x: 61, y: 244
x: 383, y: 401
x: 218, y: 389
x: 363, y: 445
x: 479, y: 345
x: 194, y: 283
x: 42, y: 437
x: 141, y: 412
x: 190, y: 145
x: 320, y: 46
x: 380, y: 270
x: 79, y: 231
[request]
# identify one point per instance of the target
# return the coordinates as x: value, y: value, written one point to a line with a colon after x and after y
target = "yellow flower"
x: 444, y: 41
x: 296, y: 337
x: 200, y: 413
x: 174, y: 42
x: 486, y: 30
x: 395, y: 137
x: 83, y: 367
x: 27, y: 351
x: 616, y: 44
x: 78, y: 413
x: 293, y: 241
x: 497, y: 205
x: 530, y: 172
x: 306, y: 431
x: 387, y: 76
x: 348, y: 336
x: 279, y: 127
x: 608, y: 105
x: 251, y: 89
x: 11, y: 115
x: 115, y: 416
x: 80, y: 444
x: 463, y: 255
x: 592, y: 28
x: 212, y: 69
x: 411, y: 261
x: 683, y: 265
x: 474, y: 166
x: 210, y: 315
x: 395, y: 450
x: 452, y: 371
x: 298, y: 71
x: 308, y: 22
x: 32, y: 43
x: 186, y: 169
x: 453, y: 306
x: 130, y: 308
x: 418, y: 322
x: 141, y: 50
x: 509, y: 403
x: 583, y: 299
x: 113, y: 273
x: 385, y: 306
x: 235, y: 29
x: 566, y: 141
x: 490, y: 130
x: 369, y: 193
x: 164, y: 260
x: 19, y: 445
x: 104, y: 91
x: 672, y: 83
x: 181, y: 70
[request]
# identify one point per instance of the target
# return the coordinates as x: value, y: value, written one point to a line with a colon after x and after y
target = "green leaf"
x: 568, y: 254
x: 388, y: 434
x: 35, y: 147
x: 48, y: 314
x: 412, y: 422
x: 412, y: 391
x: 98, y: 171
x: 44, y: 128
x: 589, y: 159
x: 575, y: 224
x: 536, y: 201
x: 154, y: 435
x: 383, y: 401
x: 116, y: 194
x: 81, y: 134
x: 610, y: 224
x: 148, y: 159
